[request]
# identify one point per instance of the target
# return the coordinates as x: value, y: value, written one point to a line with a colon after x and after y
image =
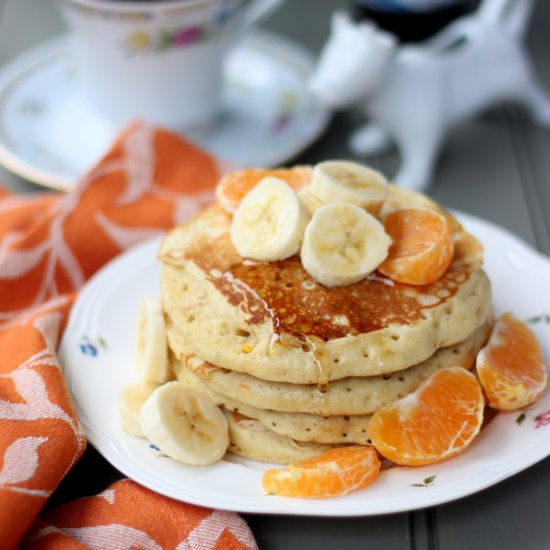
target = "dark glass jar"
x: 406, y: 22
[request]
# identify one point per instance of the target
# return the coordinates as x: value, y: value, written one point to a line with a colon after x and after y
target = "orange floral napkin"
x: 49, y: 246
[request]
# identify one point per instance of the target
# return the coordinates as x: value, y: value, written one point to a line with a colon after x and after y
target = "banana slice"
x: 269, y: 223
x: 131, y: 399
x: 151, y: 354
x: 351, y: 182
x: 309, y: 200
x: 185, y: 425
x: 343, y: 244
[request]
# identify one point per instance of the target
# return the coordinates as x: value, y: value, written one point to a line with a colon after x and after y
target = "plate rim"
x: 322, y: 507
x: 50, y: 49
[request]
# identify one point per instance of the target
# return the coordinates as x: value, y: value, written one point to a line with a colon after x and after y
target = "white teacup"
x: 160, y: 61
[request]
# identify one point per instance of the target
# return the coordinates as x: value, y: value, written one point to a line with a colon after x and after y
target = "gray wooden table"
x: 496, y: 167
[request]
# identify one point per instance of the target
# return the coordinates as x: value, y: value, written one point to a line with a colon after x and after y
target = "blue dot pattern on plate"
x: 92, y: 348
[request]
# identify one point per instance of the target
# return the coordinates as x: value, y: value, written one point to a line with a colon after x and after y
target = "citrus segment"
x: 439, y: 420
x: 332, y: 473
x: 511, y: 366
x: 422, y: 246
x: 235, y: 185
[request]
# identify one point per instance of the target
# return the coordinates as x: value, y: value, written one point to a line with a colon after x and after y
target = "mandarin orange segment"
x: 511, y: 366
x: 332, y: 473
x: 422, y: 246
x: 235, y: 185
x: 439, y: 420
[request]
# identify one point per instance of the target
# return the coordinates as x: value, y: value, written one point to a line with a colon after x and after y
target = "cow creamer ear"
x: 380, y: 39
x: 339, y: 20
x: 367, y: 27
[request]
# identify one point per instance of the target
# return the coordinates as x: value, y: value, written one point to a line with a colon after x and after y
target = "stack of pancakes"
x: 300, y: 367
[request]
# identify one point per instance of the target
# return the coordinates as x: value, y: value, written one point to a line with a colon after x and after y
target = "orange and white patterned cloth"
x: 50, y: 244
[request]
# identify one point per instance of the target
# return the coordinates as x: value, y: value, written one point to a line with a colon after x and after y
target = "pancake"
x: 348, y: 396
x: 251, y: 439
x: 273, y: 321
x: 298, y: 426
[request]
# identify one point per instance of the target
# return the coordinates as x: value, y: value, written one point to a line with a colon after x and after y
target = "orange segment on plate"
x: 422, y: 246
x: 511, y: 366
x: 332, y: 473
x: 439, y: 420
x: 235, y: 185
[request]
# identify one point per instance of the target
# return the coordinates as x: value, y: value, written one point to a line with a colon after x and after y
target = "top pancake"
x: 272, y: 320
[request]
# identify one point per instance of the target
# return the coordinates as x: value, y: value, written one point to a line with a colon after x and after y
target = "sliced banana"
x: 185, y: 425
x: 269, y: 223
x: 151, y: 352
x: 343, y: 244
x: 351, y: 182
x: 131, y: 399
x: 309, y: 200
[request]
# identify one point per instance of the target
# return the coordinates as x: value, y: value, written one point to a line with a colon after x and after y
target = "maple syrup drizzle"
x: 312, y: 346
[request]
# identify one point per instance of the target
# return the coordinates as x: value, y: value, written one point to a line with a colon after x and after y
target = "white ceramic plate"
x: 50, y: 135
x: 96, y: 355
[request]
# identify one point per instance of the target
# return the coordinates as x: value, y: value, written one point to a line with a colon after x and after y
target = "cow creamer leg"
x: 536, y: 100
x: 418, y: 156
x: 368, y: 140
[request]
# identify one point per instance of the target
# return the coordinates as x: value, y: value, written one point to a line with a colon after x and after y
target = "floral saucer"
x: 50, y: 135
